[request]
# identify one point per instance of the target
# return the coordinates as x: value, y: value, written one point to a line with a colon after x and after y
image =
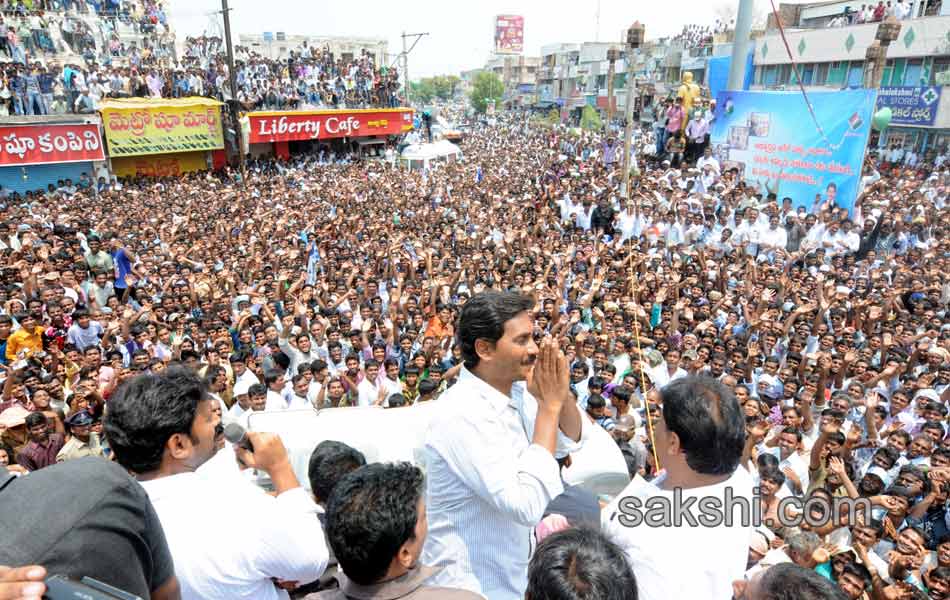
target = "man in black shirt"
x: 86, y: 518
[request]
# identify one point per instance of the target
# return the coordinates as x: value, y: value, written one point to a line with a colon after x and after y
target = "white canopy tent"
x: 421, y: 156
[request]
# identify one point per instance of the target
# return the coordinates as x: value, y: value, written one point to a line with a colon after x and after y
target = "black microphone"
x: 237, y: 435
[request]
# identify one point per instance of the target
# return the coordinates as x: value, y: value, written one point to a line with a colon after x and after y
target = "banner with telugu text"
x: 49, y: 143
x: 773, y: 141
x: 160, y: 126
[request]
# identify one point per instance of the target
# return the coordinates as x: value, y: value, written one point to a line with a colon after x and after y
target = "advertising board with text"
x: 285, y: 126
x: 45, y: 144
x: 774, y: 143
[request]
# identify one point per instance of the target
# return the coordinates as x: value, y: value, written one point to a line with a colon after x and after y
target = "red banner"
x: 41, y: 144
x: 287, y: 126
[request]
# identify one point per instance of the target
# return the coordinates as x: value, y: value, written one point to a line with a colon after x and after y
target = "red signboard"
x: 319, y: 125
x: 40, y: 144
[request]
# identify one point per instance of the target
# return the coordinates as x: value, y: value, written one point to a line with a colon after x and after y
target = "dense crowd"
x: 320, y: 282
x: 69, y: 57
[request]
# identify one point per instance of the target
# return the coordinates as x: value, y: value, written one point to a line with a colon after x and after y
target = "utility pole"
x: 740, y: 44
x: 634, y: 41
x: 612, y: 56
x: 232, y: 84
x: 405, y: 58
x: 405, y: 67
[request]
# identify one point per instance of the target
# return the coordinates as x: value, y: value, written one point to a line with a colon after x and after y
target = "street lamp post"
x: 634, y: 40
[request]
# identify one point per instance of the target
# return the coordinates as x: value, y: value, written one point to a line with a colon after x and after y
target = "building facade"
x: 833, y: 57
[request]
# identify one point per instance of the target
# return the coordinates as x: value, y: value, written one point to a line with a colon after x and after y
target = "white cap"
x: 241, y: 388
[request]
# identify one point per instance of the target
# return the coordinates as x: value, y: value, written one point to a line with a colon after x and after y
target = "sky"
x: 460, y: 33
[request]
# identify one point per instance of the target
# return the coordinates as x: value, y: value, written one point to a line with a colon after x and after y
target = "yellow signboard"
x: 160, y: 165
x: 159, y: 126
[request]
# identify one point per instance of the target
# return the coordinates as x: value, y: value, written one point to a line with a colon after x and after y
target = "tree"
x: 590, y: 119
x: 485, y: 87
x: 423, y: 91
x: 440, y: 86
x: 444, y: 86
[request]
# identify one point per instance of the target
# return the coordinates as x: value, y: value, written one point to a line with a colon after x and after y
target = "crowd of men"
x: 324, y: 282
x: 91, y: 59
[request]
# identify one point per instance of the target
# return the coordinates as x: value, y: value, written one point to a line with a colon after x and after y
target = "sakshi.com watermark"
x: 738, y: 510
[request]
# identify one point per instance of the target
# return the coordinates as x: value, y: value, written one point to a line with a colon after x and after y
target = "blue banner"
x: 773, y: 142
x: 910, y: 105
x: 717, y: 73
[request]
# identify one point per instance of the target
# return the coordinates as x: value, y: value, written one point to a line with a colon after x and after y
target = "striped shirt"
x: 488, y: 487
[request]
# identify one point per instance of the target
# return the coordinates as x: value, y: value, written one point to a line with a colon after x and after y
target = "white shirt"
x: 703, y: 161
x: 247, y: 377
x: 774, y: 238
x: 686, y: 561
x: 297, y: 357
x: 487, y: 487
x: 367, y: 393
x: 250, y: 538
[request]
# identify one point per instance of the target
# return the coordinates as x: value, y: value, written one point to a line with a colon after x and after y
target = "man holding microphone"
x: 491, y: 450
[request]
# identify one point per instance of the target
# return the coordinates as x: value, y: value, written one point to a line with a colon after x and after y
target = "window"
x: 821, y: 73
x: 941, y: 65
x: 888, y: 72
x: 913, y: 71
x: 808, y: 73
x: 836, y: 73
x: 771, y: 72
x: 758, y: 75
x: 784, y: 74
x: 855, y: 74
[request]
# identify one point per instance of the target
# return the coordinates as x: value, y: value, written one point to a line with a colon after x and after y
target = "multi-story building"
x: 278, y: 45
x: 557, y: 75
x: 519, y: 75
x: 833, y: 57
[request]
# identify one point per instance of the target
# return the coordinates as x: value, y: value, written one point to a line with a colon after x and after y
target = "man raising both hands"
x: 491, y: 449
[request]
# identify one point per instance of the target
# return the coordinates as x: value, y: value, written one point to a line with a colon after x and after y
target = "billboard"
x: 44, y: 144
x: 910, y: 105
x: 509, y: 34
x: 138, y: 126
x: 772, y: 140
x: 284, y: 126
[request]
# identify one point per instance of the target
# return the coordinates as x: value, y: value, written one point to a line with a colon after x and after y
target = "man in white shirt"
x: 790, y: 461
x: 490, y: 448
x: 699, y: 444
x: 748, y: 232
x: 242, y: 375
x: 274, y: 381
x: 367, y: 392
x: 303, y: 352
x: 775, y: 237
x: 162, y: 428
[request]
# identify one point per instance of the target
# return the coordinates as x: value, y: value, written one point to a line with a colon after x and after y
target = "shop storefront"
x: 38, y: 151
x: 920, y: 118
x: 162, y: 137
x: 288, y: 132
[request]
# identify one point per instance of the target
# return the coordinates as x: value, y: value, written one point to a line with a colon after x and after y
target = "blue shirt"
x: 123, y: 267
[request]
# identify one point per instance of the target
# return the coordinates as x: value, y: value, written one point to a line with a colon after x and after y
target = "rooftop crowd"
x: 323, y: 281
x: 126, y: 49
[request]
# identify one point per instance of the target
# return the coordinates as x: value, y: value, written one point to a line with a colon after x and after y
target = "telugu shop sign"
x: 267, y: 127
x: 45, y: 144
